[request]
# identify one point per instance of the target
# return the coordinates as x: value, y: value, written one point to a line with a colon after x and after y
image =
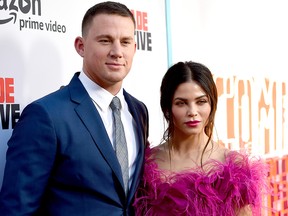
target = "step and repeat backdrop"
x: 243, y: 43
x: 37, y: 55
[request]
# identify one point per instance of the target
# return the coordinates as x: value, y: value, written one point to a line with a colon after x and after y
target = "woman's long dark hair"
x: 177, y: 74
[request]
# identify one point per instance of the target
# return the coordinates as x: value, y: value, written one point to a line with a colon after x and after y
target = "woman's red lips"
x: 192, y: 123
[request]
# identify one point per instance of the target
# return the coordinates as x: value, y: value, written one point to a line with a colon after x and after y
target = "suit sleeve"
x: 29, y: 160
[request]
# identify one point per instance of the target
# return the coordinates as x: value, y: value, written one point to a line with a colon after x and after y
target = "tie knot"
x: 115, y: 103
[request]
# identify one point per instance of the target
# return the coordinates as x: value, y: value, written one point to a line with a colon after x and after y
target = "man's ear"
x: 79, y: 45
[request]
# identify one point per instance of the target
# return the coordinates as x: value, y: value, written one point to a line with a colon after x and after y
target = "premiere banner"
x: 244, y: 43
x: 37, y: 56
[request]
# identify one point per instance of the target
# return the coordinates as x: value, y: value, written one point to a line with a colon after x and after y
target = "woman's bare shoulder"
x: 160, y: 154
x: 219, y: 152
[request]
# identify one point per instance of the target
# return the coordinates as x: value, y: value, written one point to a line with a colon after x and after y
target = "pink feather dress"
x: 239, y: 181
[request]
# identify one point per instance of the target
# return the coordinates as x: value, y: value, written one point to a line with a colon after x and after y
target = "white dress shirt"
x: 102, y: 99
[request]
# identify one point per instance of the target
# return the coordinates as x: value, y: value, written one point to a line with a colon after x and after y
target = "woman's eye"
x: 202, y: 101
x: 179, y: 103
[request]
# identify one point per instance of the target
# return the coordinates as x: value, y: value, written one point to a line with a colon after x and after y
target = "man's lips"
x: 114, y: 66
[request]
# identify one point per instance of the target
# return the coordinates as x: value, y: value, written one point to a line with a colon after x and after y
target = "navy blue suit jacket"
x: 60, y: 161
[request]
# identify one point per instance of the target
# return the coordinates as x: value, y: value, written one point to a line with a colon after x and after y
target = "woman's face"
x: 190, y: 109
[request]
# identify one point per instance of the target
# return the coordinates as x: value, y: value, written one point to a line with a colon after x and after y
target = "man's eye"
x: 104, y: 41
x: 126, y: 42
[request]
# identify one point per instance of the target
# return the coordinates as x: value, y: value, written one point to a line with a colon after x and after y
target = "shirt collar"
x: 99, y: 95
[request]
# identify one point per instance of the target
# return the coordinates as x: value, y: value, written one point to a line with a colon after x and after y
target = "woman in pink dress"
x: 190, y: 173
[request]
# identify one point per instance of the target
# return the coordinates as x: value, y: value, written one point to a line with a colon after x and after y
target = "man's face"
x: 108, y: 49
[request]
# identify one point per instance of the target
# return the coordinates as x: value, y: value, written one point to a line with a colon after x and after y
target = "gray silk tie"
x: 120, y: 141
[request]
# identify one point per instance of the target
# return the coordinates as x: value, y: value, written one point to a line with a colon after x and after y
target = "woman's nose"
x: 192, y: 114
x: 191, y: 111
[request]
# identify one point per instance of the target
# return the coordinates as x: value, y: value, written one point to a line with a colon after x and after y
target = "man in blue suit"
x: 60, y: 158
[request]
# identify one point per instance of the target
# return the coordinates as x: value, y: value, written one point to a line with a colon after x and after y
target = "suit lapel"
x: 140, y: 140
x: 93, y: 122
x: 91, y: 119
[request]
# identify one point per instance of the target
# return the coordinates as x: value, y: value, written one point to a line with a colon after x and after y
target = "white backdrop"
x: 243, y: 39
x: 39, y: 59
x: 244, y: 43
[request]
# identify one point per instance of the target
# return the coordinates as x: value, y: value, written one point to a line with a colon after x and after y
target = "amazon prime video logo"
x: 13, y: 7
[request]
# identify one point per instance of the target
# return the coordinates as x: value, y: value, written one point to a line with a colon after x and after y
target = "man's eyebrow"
x: 110, y: 37
x: 103, y: 36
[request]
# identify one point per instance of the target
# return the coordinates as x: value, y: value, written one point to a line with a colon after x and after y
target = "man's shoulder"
x: 132, y: 98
